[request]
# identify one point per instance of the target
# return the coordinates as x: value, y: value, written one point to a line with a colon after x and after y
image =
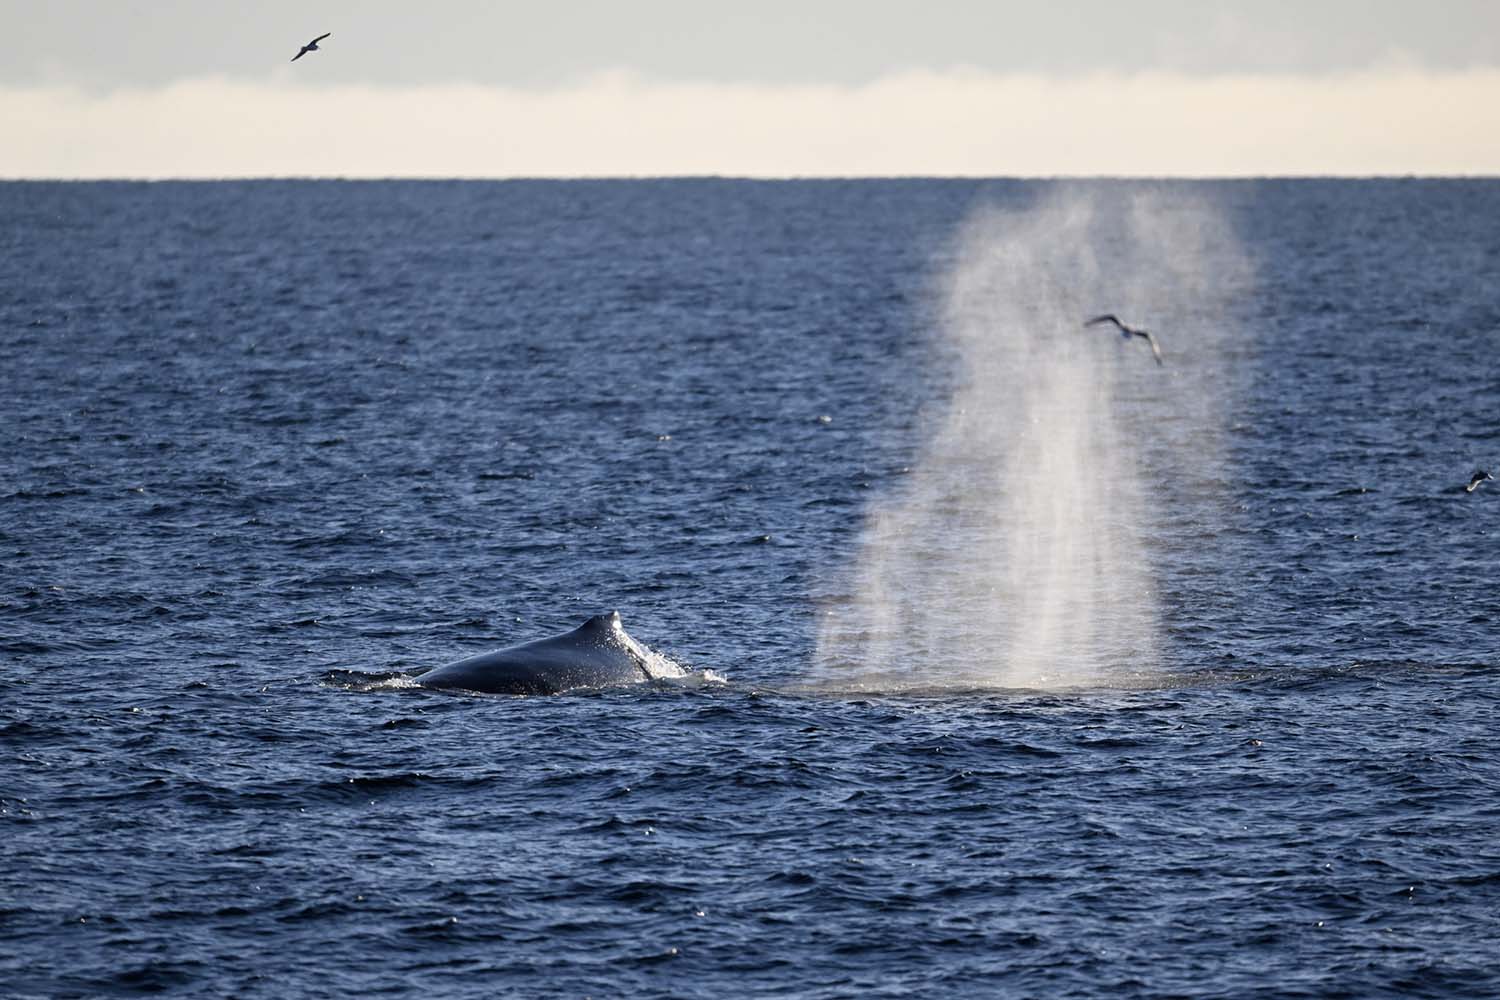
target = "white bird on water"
x: 1128, y: 331
x: 311, y: 46
x: 1478, y: 477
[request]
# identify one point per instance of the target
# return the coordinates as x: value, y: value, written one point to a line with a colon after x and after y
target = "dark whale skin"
x: 598, y: 653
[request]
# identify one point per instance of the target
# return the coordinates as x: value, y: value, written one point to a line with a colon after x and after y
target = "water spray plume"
x: 1018, y: 552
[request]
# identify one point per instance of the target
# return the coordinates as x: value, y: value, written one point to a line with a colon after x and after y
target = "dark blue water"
x: 266, y: 442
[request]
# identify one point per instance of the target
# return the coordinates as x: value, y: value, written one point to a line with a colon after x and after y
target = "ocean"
x: 1018, y: 664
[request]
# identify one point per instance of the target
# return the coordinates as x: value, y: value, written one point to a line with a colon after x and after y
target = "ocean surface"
x: 1019, y: 665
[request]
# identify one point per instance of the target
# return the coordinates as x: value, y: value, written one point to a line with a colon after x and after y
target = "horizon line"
x: 738, y: 178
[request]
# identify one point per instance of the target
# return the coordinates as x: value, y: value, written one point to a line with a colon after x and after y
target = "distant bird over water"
x: 1477, y: 478
x: 311, y: 46
x: 1128, y: 331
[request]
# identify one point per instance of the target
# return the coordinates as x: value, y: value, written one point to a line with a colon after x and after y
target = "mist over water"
x: 1019, y: 550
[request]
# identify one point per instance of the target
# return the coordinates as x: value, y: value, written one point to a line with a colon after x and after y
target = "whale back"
x: 597, y: 653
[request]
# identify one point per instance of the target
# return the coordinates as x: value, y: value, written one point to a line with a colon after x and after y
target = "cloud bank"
x: 960, y: 123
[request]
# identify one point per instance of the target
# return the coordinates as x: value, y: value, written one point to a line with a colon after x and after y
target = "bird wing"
x: 321, y: 37
x: 1155, y: 350
x: 1106, y: 318
x: 299, y: 55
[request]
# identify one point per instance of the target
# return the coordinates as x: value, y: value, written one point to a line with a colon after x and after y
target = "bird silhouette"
x: 1128, y: 331
x: 311, y: 46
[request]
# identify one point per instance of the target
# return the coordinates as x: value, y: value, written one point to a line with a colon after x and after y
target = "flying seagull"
x: 1127, y: 332
x: 1476, y: 479
x: 311, y: 46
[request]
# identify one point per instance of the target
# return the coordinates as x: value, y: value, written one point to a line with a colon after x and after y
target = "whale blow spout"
x: 598, y: 653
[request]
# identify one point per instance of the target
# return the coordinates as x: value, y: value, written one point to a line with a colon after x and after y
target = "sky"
x: 467, y: 88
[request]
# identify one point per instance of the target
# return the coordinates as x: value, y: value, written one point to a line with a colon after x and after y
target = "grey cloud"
x: 103, y: 44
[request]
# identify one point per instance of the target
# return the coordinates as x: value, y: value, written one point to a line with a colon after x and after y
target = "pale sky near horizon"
x: 182, y: 88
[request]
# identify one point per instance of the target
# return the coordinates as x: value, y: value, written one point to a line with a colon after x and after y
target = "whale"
x: 598, y: 653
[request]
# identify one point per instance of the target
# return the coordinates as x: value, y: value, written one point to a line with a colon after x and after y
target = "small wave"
x: 903, y: 686
x: 23, y: 647
x: 156, y: 976
x: 355, y: 680
x: 386, y: 782
x: 405, y: 723
x: 692, y: 679
x: 661, y: 667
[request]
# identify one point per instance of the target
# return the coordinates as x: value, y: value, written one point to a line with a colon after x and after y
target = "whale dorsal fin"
x: 607, y: 630
x: 601, y: 627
